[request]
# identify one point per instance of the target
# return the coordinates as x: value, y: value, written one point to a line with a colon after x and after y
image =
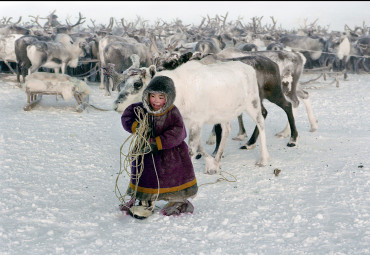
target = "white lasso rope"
x: 138, y: 147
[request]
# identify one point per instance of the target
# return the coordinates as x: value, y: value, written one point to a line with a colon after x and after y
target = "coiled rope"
x: 139, y: 146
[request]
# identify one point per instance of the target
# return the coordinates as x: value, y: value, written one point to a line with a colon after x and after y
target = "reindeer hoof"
x: 211, y: 140
x: 198, y: 156
x: 281, y: 135
x: 291, y: 144
x: 261, y: 163
x: 211, y: 172
x: 239, y: 137
x: 314, y: 126
x: 248, y: 147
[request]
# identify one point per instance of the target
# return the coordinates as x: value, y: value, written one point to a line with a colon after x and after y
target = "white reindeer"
x: 206, y: 94
x: 61, y: 53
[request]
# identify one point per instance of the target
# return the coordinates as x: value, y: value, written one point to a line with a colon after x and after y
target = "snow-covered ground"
x: 59, y: 170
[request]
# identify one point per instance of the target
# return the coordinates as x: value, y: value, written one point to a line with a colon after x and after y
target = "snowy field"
x: 59, y: 170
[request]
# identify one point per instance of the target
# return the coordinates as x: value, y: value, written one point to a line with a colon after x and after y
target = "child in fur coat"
x: 172, y: 167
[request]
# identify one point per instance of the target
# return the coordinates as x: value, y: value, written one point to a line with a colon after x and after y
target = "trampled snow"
x: 59, y: 170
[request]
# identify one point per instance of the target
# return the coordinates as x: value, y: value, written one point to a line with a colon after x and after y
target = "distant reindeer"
x: 58, y: 54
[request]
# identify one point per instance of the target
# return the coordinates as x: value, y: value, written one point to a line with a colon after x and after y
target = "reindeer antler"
x: 19, y: 21
x: 78, y: 22
x: 49, y: 18
x: 274, y: 23
x: 125, y: 27
x: 94, y: 26
x: 110, y: 26
x: 36, y: 21
x: 224, y: 19
x: 312, y: 25
x: 6, y: 20
x: 201, y: 23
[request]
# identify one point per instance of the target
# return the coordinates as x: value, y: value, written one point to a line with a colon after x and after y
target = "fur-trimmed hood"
x: 160, y: 84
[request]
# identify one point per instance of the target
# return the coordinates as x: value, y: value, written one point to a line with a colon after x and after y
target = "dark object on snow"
x: 277, y: 171
x: 176, y: 208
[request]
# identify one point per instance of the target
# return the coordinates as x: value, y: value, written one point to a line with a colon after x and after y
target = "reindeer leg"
x: 112, y: 85
x: 212, y: 137
x: 345, y: 60
x: 241, y: 134
x: 63, y: 67
x: 19, y: 70
x: 194, y: 141
x: 293, y: 129
x: 213, y: 164
x: 218, y: 133
x: 363, y: 61
x: 25, y: 70
x: 107, y: 91
x: 311, y: 117
x: 251, y: 144
x: 224, y: 136
x: 102, y: 85
x: 256, y: 114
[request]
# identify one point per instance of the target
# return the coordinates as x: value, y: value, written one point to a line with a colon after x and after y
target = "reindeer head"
x: 85, y: 47
x: 108, y: 70
x: 137, y: 80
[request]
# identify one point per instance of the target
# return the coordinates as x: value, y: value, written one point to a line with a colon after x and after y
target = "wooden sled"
x: 34, y: 97
x: 325, y: 72
x: 41, y: 83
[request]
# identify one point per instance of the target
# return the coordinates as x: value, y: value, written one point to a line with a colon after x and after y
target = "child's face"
x: 157, y: 100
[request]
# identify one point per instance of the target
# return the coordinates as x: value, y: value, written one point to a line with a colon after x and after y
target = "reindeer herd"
x: 243, y: 63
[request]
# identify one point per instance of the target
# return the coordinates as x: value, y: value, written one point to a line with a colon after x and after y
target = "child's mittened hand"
x: 153, y: 145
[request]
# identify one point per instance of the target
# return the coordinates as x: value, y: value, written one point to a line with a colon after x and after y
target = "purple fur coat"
x: 172, y: 162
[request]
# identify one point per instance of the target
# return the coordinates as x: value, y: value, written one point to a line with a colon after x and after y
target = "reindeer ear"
x: 152, y: 70
x: 155, y: 61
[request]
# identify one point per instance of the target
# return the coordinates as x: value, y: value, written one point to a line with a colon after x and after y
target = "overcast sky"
x: 288, y: 14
